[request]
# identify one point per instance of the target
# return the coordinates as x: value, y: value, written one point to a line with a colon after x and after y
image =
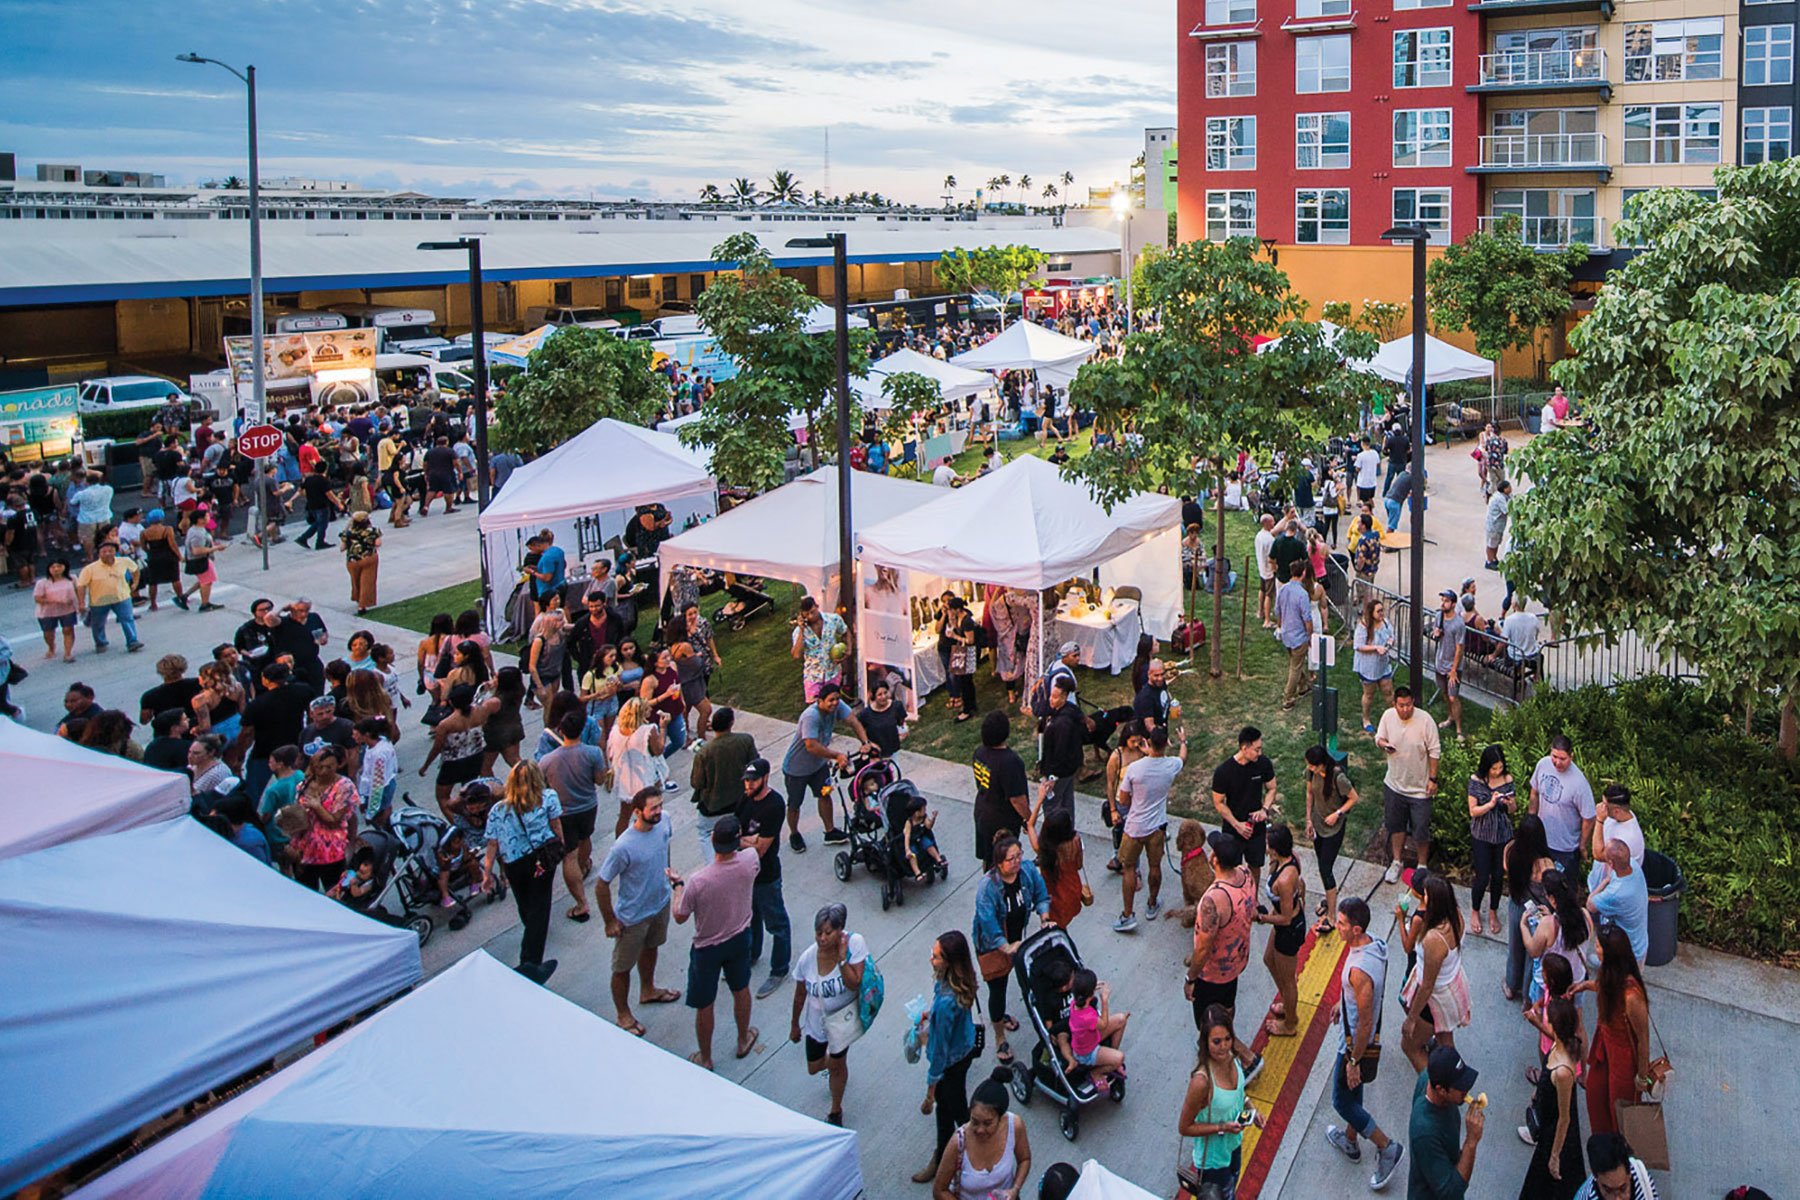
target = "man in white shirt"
x: 944, y: 475
x: 1368, y: 472
x: 1617, y: 823
x: 1265, y: 568
x: 1523, y: 632
x: 1144, y: 790
x: 1410, y: 740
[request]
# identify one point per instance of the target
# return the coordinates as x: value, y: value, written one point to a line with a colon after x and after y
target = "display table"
x: 1107, y: 643
x: 927, y: 667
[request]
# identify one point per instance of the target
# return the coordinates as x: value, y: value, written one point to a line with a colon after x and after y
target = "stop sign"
x: 259, y: 441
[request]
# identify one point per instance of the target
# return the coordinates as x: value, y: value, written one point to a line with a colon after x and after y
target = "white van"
x: 396, y: 371
x: 396, y: 325
x: 235, y: 321
x: 680, y: 325
x: 562, y: 314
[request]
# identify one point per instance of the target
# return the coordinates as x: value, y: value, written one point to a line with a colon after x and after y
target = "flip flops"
x: 660, y: 996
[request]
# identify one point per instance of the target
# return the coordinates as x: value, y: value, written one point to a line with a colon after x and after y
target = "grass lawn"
x: 417, y: 612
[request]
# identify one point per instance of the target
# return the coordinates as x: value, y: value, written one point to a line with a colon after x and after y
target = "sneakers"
x: 796, y: 843
x: 1525, y: 1135
x: 1387, y: 1165
x: 771, y: 985
x: 133, y: 647
x: 1253, y: 1070
x: 1125, y: 924
x: 1152, y: 910
x: 836, y: 837
x: 669, y: 785
x: 1393, y: 872
x: 538, y: 973
x: 1342, y: 1144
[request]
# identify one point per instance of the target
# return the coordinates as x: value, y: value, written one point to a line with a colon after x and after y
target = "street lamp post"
x: 1121, y: 204
x: 840, y: 284
x: 258, y: 383
x: 1418, y: 235
x: 478, y: 336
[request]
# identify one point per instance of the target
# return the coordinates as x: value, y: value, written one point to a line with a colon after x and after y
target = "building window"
x: 1543, y: 136
x: 1672, y: 133
x: 1422, y: 58
x: 1322, y: 216
x: 1322, y: 64
x: 1231, y: 143
x: 562, y: 293
x: 1231, y: 69
x: 1422, y: 137
x: 1670, y: 50
x: 1321, y: 8
x: 1230, y: 214
x: 1768, y: 55
x: 1230, y: 12
x: 1549, y: 217
x: 1321, y: 141
x: 1768, y: 135
x: 1429, y: 207
x: 1403, y: 5
x: 638, y: 289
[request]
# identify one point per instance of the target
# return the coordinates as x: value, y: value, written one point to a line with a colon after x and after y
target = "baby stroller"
x: 859, y: 787
x: 898, y: 801
x: 409, y: 845
x: 748, y: 599
x: 1044, y: 1072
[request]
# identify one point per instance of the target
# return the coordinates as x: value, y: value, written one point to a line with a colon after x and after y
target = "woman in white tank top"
x: 990, y: 1155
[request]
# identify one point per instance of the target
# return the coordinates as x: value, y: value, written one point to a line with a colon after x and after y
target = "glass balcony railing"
x: 1546, y: 69
x: 1544, y: 151
x: 1553, y: 233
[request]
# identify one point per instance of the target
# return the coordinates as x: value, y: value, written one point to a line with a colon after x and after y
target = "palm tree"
x: 710, y: 194
x: 1068, y: 182
x: 949, y: 183
x: 1024, y: 187
x: 1049, y: 191
x: 784, y: 188
x: 743, y: 191
x: 818, y: 198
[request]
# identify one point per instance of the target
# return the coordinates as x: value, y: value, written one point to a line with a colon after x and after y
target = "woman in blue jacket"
x: 1009, y: 894
x: 949, y: 1041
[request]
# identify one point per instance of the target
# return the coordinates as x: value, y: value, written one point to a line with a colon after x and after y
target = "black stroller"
x: 863, y: 789
x: 406, y: 862
x: 1043, y: 1071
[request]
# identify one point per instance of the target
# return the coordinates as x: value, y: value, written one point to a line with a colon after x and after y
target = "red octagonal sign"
x: 259, y: 441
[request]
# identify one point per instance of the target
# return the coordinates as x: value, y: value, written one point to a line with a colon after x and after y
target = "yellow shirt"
x: 106, y: 585
x: 384, y: 453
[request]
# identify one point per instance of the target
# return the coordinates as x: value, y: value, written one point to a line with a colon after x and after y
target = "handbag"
x: 870, y: 995
x: 547, y: 855
x: 994, y: 964
x: 193, y: 566
x: 842, y: 1028
x: 1641, y: 1122
x: 16, y: 674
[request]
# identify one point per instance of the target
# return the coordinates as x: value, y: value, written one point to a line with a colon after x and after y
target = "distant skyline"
x: 645, y: 99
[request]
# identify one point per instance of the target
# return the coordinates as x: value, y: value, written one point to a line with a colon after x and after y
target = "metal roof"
x: 87, y: 263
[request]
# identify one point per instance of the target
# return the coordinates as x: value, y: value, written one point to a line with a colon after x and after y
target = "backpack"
x: 871, y: 994
x: 1039, y: 701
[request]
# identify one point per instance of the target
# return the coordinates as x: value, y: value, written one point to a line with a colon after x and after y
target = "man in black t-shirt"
x: 271, y: 720
x: 1002, y: 801
x: 321, y: 505
x: 1243, y: 787
x: 168, y: 749
x: 1287, y: 549
x: 325, y: 728
x: 295, y: 636
x: 760, y: 816
x: 175, y: 691
x: 1151, y: 704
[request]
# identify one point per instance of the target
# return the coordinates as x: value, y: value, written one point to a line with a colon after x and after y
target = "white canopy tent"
x: 791, y: 533
x: 954, y: 382
x: 386, y: 1103
x: 59, y: 792
x: 1333, y: 332
x: 1443, y: 362
x: 822, y: 318
x: 584, y: 492
x: 153, y: 964
x: 1027, y: 346
x: 1098, y: 1183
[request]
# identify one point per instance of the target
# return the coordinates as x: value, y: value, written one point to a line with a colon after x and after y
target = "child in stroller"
x: 910, y: 823
x: 1047, y: 964
x: 357, y: 886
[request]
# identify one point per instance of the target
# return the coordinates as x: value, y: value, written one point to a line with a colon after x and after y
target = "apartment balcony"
x: 1560, y: 153
x: 1554, y: 233
x: 1545, y: 8
x: 1524, y: 72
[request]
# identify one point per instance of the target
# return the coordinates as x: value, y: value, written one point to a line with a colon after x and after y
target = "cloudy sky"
x: 614, y: 98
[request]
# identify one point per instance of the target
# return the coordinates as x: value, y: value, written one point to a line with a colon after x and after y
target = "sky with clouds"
x: 615, y: 98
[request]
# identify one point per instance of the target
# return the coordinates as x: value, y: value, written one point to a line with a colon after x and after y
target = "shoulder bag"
x: 547, y: 855
x: 1187, y: 1175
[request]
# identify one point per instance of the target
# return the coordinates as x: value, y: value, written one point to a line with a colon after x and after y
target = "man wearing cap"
x: 717, y: 900
x: 718, y: 771
x: 1447, y: 665
x: 1061, y: 750
x: 638, y: 866
x: 1442, y: 1165
x: 807, y: 763
x: 325, y: 728
x: 759, y: 817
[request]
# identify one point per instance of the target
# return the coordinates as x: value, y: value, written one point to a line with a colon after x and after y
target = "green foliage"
x: 757, y: 316
x: 1381, y: 319
x: 1720, y: 804
x: 908, y: 394
x: 1675, y: 514
x: 1495, y: 286
x: 1001, y: 270
x: 1194, y: 391
x: 575, y: 377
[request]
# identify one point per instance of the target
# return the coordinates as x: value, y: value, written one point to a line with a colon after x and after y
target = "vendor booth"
x: 953, y: 382
x: 59, y: 792
x: 148, y: 966
x: 585, y: 492
x: 1027, y: 530
x: 791, y: 533
x: 483, y: 1084
x: 1026, y: 346
x: 1443, y: 362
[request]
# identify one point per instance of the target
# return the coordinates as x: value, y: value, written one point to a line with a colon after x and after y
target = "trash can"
x: 1337, y: 582
x: 1662, y: 877
x: 1534, y: 415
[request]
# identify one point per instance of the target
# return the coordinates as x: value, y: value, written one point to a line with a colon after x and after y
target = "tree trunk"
x: 1221, y: 573
x: 1788, y: 743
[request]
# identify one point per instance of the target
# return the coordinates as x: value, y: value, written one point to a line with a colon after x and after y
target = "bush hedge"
x: 1722, y: 805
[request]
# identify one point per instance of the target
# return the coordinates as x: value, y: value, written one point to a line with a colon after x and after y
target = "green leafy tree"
x: 575, y: 377
x: 710, y: 194
x: 908, y: 394
x: 1493, y: 285
x: 998, y: 269
x: 1675, y: 513
x: 756, y: 314
x: 1194, y: 392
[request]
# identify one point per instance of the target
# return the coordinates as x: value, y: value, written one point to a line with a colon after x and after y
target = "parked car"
x: 120, y: 393
x: 593, y: 318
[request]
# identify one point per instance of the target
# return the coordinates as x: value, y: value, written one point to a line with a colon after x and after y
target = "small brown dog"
x: 1196, y: 871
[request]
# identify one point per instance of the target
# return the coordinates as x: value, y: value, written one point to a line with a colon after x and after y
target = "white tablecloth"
x: 928, y: 668
x: 1105, y: 644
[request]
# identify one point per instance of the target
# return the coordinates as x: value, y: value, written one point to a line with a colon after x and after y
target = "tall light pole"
x: 478, y: 336
x: 1121, y: 205
x: 840, y: 286
x: 254, y: 416
x: 1418, y: 235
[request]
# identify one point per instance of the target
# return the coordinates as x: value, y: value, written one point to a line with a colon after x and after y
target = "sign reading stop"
x: 259, y: 441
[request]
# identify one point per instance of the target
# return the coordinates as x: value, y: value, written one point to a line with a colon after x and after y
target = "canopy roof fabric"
x: 1025, y: 345
x: 1022, y: 526
x: 517, y: 352
x: 1332, y: 330
x: 1443, y: 362
x: 59, y: 792
x: 609, y: 466
x: 953, y: 382
x: 822, y: 318
x: 792, y: 532
x: 387, y: 1102
x: 153, y: 964
x: 1098, y: 1183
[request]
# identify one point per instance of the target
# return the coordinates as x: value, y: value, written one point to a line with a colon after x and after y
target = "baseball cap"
x: 1448, y: 594
x: 756, y: 768
x: 1068, y: 648
x: 1447, y: 1069
x: 325, y: 701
